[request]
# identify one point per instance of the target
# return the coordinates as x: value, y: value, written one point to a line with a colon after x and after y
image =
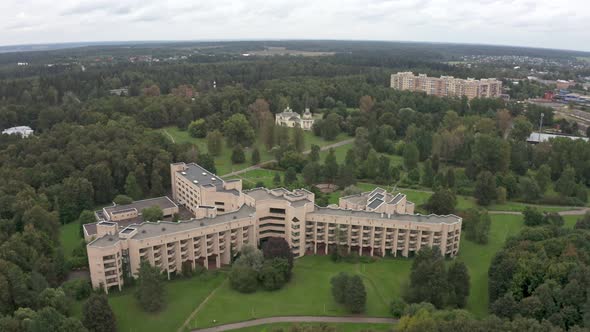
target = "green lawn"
x: 340, y: 327
x: 223, y: 161
x: 308, y: 293
x: 69, y: 236
x: 182, y: 297
x: 478, y: 258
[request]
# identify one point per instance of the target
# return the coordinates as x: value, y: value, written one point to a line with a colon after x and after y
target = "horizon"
x: 543, y: 23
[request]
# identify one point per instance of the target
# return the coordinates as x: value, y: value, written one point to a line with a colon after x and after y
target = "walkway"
x: 298, y: 319
x: 574, y: 212
x: 194, y: 313
x: 258, y: 166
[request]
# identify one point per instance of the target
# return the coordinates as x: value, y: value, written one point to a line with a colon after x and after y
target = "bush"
x: 397, y: 307
x: 122, y: 200
x: 243, y: 279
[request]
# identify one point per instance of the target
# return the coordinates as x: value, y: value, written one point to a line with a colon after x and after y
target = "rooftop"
x: 296, y: 198
x: 432, y: 218
x: 147, y: 230
x: 203, y: 177
x: 537, y: 137
x: 162, y: 202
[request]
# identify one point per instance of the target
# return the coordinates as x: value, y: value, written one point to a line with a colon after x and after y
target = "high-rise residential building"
x: 447, y: 86
x: 225, y: 218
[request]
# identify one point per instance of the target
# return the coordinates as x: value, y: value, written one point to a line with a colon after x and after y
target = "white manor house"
x: 289, y: 118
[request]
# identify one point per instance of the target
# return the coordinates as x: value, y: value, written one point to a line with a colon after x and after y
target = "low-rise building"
x: 225, y: 218
x: 537, y: 137
x: 291, y: 119
x: 22, y: 131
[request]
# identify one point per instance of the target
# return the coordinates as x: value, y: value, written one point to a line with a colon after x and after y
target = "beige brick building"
x: 447, y: 86
x: 226, y: 218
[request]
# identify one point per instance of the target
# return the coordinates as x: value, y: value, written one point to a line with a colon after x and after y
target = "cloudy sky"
x: 543, y: 23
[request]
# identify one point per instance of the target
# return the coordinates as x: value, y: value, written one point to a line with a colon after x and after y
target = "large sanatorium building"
x: 225, y: 218
x: 447, y: 86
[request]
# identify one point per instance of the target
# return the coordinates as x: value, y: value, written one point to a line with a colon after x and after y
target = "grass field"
x: 182, y: 297
x: 69, y: 237
x: 223, y: 161
x: 309, y: 292
x: 340, y: 327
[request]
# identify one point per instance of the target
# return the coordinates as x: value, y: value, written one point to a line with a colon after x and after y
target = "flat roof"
x: 148, y: 230
x: 162, y: 202
x: 106, y: 240
x: 194, y: 172
x: 544, y: 137
x: 261, y: 194
x: 418, y: 218
x: 90, y: 229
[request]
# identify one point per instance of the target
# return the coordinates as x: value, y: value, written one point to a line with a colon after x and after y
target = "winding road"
x: 297, y: 319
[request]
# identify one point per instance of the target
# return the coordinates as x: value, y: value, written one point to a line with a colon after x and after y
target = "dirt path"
x: 170, y: 136
x: 258, y: 166
x: 196, y: 311
x: 298, y: 319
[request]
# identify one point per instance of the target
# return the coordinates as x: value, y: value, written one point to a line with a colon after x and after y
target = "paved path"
x: 298, y: 319
x: 574, y: 212
x: 258, y: 166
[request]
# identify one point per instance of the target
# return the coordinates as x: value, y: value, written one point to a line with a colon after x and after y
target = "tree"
x: 442, y: 202
x: 339, y: 283
x: 276, y: 180
x: 237, y: 155
x: 252, y: 257
x: 157, y: 188
x: 274, y: 273
x: 384, y: 170
x: 356, y: 295
x: 330, y: 166
x: 237, y: 130
x: 102, y: 181
x: 76, y: 195
x: 86, y: 217
x: 543, y: 177
x: 450, y: 178
x: 214, y: 142
x: 122, y: 200
x: 521, y: 129
x: 150, y: 291
x: 330, y: 127
x: 411, y: 156
x: 485, y: 188
x: 311, y: 173
x: 529, y: 189
x: 458, y: 281
x: 153, y: 213
x: 298, y: 139
x: 428, y: 282
x: 532, y: 217
x: 132, y: 187
x: 277, y: 247
x: 198, y: 128
x: 428, y: 174
x: 255, y: 156
x: 260, y: 113
x: 97, y: 315
x: 490, y: 153
x: 476, y: 224
x: 314, y: 155
x: 566, y: 184
x: 243, y: 278
x: 366, y: 104
x: 584, y: 222
x: 290, y: 176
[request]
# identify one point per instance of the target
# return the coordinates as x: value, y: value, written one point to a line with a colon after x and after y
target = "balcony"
x: 112, y: 281
x: 171, y: 252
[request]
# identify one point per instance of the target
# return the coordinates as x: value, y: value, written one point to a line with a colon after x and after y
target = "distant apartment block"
x: 447, y: 86
x: 225, y: 218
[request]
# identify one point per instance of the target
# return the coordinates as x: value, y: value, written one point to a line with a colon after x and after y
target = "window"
x: 278, y: 211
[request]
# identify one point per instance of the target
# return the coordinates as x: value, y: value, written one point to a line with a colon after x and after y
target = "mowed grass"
x: 223, y: 161
x: 478, y: 258
x: 340, y: 327
x: 69, y: 237
x: 308, y: 293
x: 182, y: 297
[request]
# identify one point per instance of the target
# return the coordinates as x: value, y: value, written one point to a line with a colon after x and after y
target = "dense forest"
x: 90, y: 146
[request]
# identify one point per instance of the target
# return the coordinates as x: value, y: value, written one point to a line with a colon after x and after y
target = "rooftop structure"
x: 537, y: 137
x: 291, y: 119
x: 225, y: 218
x: 447, y: 86
x: 23, y: 131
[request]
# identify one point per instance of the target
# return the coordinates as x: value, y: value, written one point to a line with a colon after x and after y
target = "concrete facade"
x: 447, y: 86
x: 227, y: 218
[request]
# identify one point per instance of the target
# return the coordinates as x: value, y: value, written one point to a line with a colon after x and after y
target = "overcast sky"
x: 543, y: 23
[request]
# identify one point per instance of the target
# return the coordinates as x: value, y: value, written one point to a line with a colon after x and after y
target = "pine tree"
x: 237, y: 155
x: 339, y: 283
x: 428, y: 174
x: 298, y: 139
x: 458, y: 280
x: 290, y: 176
x: 330, y: 166
x: 156, y: 183
x: 314, y: 155
x: 150, y: 292
x: 276, y: 179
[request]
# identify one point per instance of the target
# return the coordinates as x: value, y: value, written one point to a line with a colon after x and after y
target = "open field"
x: 182, y: 297
x: 69, y: 237
x: 223, y: 161
x: 309, y: 292
x: 340, y: 327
